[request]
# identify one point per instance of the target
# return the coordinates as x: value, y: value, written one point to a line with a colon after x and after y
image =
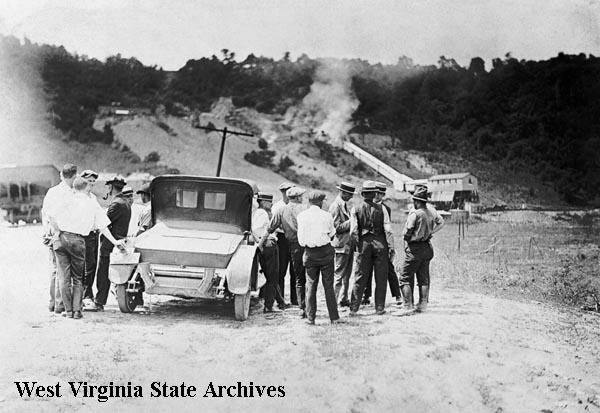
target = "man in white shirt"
x: 91, y: 244
x: 315, y: 231
x: 76, y: 216
x: 344, y: 248
x: 51, y: 201
x: 283, y: 246
x: 145, y: 217
x: 269, y: 254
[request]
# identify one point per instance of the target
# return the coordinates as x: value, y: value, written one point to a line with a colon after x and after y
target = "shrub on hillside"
x: 284, y: 163
x: 262, y: 158
x: 152, y: 157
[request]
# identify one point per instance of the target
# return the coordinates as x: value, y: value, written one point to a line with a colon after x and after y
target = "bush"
x: 285, y: 163
x: 152, y: 157
x: 263, y: 158
x: 263, y: 144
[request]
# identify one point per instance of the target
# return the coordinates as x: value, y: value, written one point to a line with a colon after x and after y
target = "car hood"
x: 164, y: 238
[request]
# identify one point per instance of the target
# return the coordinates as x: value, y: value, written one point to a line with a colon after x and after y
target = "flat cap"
x: 145, y: 189
x: 284, y: 186
x: 262, y: 196
x: 295, y: 191
x: 316, y: 196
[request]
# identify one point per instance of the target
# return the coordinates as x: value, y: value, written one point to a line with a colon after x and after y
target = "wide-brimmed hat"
x: 284, y: 186
x: 368, y: 186
x: 347, y: 187
x: 88, y: 173
x: 316, y: 196
x: 294, y: 192
x: 127, y: 191
x: 381, y: 187
x: 420, y: 194
x: 117, y: 181
x: 262, y: 196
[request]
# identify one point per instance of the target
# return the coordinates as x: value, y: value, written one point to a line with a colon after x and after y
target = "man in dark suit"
x: 119, y: 213
x: 342, y: 243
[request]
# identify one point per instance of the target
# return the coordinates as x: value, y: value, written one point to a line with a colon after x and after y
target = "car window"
x: 186, y: 199
x: 215, y: 200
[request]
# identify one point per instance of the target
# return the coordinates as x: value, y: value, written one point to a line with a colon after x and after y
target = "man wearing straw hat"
x: 371, y: 229
x: 269, y: 254
x: 342, y: 242
x: 420, y: 226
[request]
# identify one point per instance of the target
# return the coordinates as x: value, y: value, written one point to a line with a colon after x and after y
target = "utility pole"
x: 225, y: 131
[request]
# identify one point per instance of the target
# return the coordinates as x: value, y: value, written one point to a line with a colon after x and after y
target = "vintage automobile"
x: 22, y: 190
x: 200, y: 244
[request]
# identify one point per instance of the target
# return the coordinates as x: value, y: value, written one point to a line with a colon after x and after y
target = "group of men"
x: 73, y: 219
x: 316, y: 242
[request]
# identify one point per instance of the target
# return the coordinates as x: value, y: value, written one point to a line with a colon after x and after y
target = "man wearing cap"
x: 91, y: 244
x: 140, y: 210
x: 283, y: 246
x: 269, y: 255
x: 119, y: 213
x: 315, y: 231
x: 286, y: 219
x: 50, y: 207
x: 342, y: 242
x: 145, y: 220
x: 392, y: 276
x: 76, y: 217
x: 371, y: 229
x: 420, y: 226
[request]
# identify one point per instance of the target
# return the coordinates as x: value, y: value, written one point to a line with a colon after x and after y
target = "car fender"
x: 239, y: 271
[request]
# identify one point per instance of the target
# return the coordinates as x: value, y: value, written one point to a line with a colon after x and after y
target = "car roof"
x: 199, y: 178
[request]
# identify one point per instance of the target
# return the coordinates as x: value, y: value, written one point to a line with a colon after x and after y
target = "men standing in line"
x: 51, y: 203
x: 342, y: 242
x: 286, y: 219
x: 371, y: 230
x: 269, y: 256
x: 283, y: 246
x: 76, y: 217
x: 91, y: 245
x: 420, y: 226
x: 315, y: 231
x: 119, y: 213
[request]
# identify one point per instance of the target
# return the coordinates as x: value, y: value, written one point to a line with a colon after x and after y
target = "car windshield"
x: 210, y: 204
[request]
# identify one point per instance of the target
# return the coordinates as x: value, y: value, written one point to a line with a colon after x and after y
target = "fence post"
x: 529, y: 252
x: 458, y: 236
x: 494, y: 248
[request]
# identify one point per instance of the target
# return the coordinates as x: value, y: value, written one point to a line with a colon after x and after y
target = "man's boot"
x: 423, y: 298
x: 408, y: 308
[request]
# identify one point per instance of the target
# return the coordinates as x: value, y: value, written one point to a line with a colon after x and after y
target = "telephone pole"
x: 225, y: 131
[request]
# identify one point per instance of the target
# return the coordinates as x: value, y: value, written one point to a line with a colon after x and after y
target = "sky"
x: 168, y: 33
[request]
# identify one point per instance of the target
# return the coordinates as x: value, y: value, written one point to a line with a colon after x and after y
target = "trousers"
x: 297, y: 252
x: 91, y: 262
x: 285, y: 261
x: 320, y: 260
x: 70, y: 260
x: 269, y: 262
x: 372, y: 255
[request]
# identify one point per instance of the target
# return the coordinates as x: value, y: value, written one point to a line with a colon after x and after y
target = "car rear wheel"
x: 127, y: 301
x: 241, y: 304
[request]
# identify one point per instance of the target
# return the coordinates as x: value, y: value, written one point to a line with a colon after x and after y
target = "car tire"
x: 241, y: 304
x: 127, y: 301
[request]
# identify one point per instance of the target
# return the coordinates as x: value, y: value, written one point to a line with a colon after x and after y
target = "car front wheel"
x: 241, y: 303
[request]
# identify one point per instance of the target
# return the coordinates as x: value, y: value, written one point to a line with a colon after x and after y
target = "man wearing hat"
x: 342, y: 242
x: 145, y: 219
x: 371, y: 229
x: 91, y: 244
x: 283, y: 246
x: 50, y: 207
x: 392, y: 276
x: 286, y: 220
x: 119, y: 213
x: 315, y: 231
x: 269, y: 255
x: 420, y: 226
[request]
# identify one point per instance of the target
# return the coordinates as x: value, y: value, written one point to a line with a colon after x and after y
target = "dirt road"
x: 469, y: 352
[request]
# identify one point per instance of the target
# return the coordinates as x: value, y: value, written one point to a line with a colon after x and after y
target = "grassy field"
x: 549, y: 257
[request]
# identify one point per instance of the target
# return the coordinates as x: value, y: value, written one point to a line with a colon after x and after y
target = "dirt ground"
x: 469, y: 352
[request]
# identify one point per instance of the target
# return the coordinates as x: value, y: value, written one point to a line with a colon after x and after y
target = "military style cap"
x: 316, y: 196
x: 262, y: 196
x: 346, y: 187
x: 117, y: 181
x: 420, y: 194
x: 284, y: 186
x: 295, y: 191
